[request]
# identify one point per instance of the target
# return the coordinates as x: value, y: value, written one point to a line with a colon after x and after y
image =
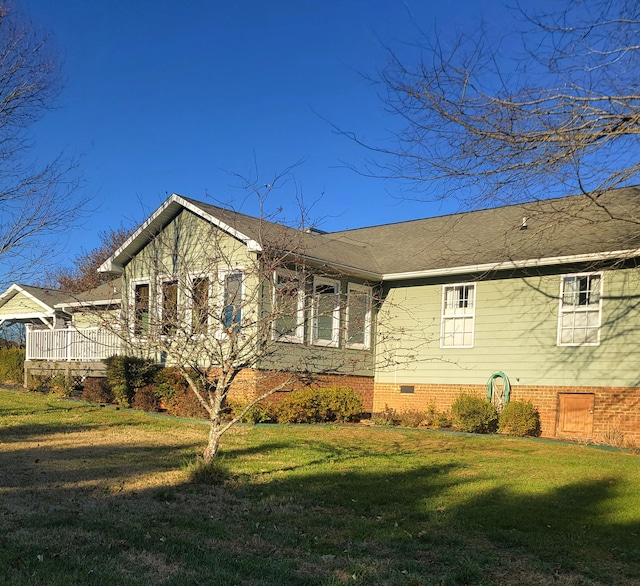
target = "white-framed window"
x: 358, y: 316
x: 580, y: 312
x: 168, y: 305
x: 231, y: 298
x: 199, y: 303
x: 288, y: 306
x: 140, y: 307
x: 325, y: 330
x: 458, y: 315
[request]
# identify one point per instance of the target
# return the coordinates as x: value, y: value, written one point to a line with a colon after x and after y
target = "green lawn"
x: 99, y: 496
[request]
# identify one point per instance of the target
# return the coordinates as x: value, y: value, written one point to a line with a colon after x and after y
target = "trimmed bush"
x: 309, y: 405
x: 474, y: 415
x: 187, y: 405
x: 519, y: 418
x: 96, y: 390
x: 146, y: 399
x: 11, y: 365
x: 126, y: 374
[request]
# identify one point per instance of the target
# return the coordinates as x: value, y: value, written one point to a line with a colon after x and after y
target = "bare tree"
x: 36, y: 201
x: 84, y: 274
x: 551, y: 109
x: 244, y: 317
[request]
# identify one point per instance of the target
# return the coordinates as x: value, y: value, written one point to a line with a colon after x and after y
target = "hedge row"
x: 141, y: 384
x: 470, y: 414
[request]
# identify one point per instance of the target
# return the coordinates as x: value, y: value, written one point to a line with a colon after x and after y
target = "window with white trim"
x: 168, y: 290
x: 458, y: 316
x: 232, y: 298
x: 140, y: 307
x: 326, y: 312
x: 580, y: 312
x: 288, y: 306
x: 199, y: 294
x: 358, y: 316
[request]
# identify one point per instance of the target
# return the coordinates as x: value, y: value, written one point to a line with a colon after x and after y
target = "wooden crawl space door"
x: 575, y: 414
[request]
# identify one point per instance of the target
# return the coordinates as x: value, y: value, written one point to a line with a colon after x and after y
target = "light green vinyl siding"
x: 515, y: 331
x: 94, y: 319
x: 21, y: 304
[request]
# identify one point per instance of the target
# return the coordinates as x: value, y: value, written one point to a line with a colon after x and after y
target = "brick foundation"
x: 250, y: 383
x: 616, y: 412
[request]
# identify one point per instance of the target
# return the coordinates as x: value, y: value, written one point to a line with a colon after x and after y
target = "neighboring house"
x: 64, y: 330
x: 547, y: 294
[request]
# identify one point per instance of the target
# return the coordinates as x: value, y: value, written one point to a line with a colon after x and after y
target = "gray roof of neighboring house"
x: 569, y: 229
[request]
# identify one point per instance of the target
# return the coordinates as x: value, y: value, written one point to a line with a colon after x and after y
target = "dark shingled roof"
x: 564, y: 227
x: 575, y: 225
x: 50, y: 297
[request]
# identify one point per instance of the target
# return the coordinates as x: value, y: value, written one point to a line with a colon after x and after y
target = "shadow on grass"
x: 315, y: 512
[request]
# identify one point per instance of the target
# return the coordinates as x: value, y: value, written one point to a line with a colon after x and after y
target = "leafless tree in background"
x: 37, y: 200
x: 492, y: 118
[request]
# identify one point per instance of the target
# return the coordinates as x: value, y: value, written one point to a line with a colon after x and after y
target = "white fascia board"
x: 514, y: 264
x: 110, y: 266
x: 88, y: 304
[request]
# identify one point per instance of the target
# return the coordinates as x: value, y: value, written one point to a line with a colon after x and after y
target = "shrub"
x: 388, y: 417
x: 11, y: 364
x: 146, y: 399
x: 96, y: 390
x: 125, y: 374
x: 519, y: 418
x: 186, y: 404
x: 320, y: 405
x: 260, y: 413
x: 411, y: 418
x: 474, y: 415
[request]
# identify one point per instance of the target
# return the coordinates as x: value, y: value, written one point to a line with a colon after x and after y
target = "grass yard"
x: 90, y: 495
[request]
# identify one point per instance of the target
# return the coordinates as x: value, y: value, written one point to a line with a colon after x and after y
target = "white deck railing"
x: 85, y: 344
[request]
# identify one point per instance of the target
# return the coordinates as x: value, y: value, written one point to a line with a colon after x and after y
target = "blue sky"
x: 165, y: 96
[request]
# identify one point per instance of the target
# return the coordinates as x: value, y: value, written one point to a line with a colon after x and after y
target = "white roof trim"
x: 88, y: 304
x: 110, y: 266
x: 514, y: 264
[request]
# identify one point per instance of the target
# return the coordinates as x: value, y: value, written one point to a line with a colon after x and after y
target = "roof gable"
x: 158, y: 220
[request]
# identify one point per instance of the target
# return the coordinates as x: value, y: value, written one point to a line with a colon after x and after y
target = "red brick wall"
x: 249, y: 383
x: 616, y: 411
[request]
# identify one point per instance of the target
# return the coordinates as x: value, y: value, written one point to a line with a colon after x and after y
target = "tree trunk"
x: 213, y: 445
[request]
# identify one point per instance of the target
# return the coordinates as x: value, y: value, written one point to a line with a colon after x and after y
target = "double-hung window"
x: 288, y: 307
x: 580, y: 310
x: 326, y: 312
x: 199, y: 295
x: 169, y: 306
x: 232, y: 298
x: 458, y: 316
x: 358, y: 316
x: 140, y: 298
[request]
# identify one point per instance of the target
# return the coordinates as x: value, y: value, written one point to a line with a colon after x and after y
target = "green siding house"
x: 546, y: 295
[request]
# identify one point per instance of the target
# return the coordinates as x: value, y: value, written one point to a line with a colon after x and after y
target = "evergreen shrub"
x: 126, y: 374
x: 11, y: 365
x: 519, y: 418
x: 307, y: 405
x: 474, y: 415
